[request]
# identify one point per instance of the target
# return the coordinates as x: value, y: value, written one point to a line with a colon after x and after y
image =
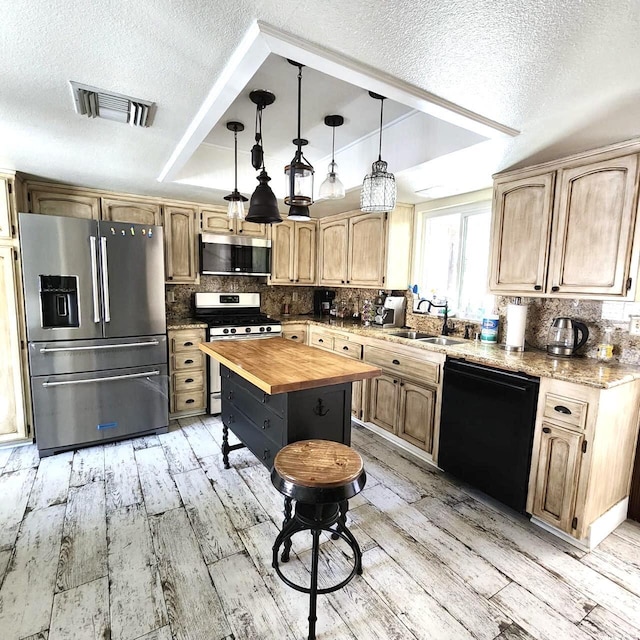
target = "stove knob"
x: 268, y: 328
x: 261, y: 329
x: 233, y: 330
x: 225, y: 331
x: 248, y: 329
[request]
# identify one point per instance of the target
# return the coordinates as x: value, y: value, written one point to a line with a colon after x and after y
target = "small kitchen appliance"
x: 390, y: 313
x: 563, y: 337
x: 322, y: 301
x: 231, y: 316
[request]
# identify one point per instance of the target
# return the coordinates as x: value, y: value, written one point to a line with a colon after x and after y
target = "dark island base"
x: 265, y: 423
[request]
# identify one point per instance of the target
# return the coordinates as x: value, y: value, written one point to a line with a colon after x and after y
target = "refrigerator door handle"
x: 127, y: 376
x: 94, y: 278
x: 151, y: 343
x: 105, y: 280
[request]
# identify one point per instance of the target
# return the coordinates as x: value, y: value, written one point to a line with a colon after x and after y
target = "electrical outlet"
x: 634, y: 325
x: 294, y: 296
x: 171, y: 297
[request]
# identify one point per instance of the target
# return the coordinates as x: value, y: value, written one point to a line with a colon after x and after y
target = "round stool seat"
x: 318, y: 471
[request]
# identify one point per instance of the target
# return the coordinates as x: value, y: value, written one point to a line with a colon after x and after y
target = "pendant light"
x: 299, y: 171
x: 379, y: 187
x: 263, y: 207
x: 235, y: 199
x: 332, y: 188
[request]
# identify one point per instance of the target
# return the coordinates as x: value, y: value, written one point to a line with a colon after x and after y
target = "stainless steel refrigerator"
x: 96, y: 329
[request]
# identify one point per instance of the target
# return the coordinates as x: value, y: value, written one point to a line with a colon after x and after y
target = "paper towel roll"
x: 516, y: 324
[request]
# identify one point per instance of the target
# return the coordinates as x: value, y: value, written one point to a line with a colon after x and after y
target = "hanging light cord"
x: 333, y: 146
x: 235, y: 157
x: 380, y: 146
x: 259, y: 130
x: 299, y: 101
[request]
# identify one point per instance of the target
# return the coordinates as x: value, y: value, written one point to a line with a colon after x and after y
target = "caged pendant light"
x: 379, y: 187
x: 235, y: 199
x: 332, y: 188
x: 299, y: 172
x: 263, y: 207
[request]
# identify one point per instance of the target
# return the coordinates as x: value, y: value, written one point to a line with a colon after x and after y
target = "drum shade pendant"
x: 332, y: 188
x: 379, y: 187
x: 263, y: 207
x: 235, y: 199
x: 299, y: 172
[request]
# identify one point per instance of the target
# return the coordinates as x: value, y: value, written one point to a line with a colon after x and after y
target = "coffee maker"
x: 322, y: 301
x: 389, y: 311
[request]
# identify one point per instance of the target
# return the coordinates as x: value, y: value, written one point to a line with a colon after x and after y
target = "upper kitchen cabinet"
x: 567, y: 231
x: 181, y: 244
x: 64, y: 201
x: 7, y: 207
x: 333, y: 245
x: 134, y: 211
x: 215, y: 220
x: 293, y: 253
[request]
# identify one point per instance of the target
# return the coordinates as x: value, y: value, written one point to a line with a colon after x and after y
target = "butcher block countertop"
x: 277, y: 365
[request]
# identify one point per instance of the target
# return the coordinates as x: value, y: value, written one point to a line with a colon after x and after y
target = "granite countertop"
x: 580, y: 370
x: 185, y: 323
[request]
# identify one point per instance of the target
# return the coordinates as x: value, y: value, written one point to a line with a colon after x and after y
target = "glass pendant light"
x: 379, y: 187
x: 299, y: 172
x: 235, y: 199
x: 263, y: 207
x: 332, y: 188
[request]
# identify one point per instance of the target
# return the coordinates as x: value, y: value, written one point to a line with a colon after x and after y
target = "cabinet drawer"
x: 189, y: 401
x: 296, y: 336
x: 188, y: 360
x: 190, y: 381
x: 276, y: 403
x: 346, y: 348
x: 185, y: 340
x: 403, y: 365
x: 261, y: 446
x: 322, y: 340
x: 565, y: 411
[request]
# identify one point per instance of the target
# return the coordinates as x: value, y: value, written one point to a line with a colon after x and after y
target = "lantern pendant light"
x: 263, y: 207
x: 235, y: 199
x: 299, y: 172
x: 332, y: 188
x: 379, y: 187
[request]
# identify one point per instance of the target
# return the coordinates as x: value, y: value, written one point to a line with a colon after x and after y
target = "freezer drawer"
x: 72, y: 356
x: 77, y: 409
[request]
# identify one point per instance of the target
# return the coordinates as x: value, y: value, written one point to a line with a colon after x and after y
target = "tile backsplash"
x: 594, y: 313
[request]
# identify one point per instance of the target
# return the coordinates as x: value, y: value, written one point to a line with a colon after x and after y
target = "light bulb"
x: 332, y: 188
x: 235, y: 209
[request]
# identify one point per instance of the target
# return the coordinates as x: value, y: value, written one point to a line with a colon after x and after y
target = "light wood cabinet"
x: 6, y: 219
x: 383, y: 407
x: 63, y: 202
x: 187, y: 371
x: 293, y: 253
x: 367, y: 244
x: 295, y: 332
x: 333, y: 246
x: 567, y: 231
x: 583, y: 449
x: 181, y: 245
x: 415, y: 418
x: 215, y: 220
x: 136, y: 212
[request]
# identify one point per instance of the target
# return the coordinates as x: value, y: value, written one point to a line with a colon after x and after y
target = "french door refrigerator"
x: 96, y: 329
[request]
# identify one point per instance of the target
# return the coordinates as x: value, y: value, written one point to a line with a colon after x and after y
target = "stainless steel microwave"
x: 234, y: 255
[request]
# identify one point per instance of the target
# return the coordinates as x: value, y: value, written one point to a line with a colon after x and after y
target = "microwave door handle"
x: 105, y: 280
x: 94, y: 278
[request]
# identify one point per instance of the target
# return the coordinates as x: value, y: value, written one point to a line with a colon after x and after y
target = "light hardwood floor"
x: 152, y: 539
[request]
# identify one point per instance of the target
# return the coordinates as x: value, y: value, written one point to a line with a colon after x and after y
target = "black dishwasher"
x: 486, y: 429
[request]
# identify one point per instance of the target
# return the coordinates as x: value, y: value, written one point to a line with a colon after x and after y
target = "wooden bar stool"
x: 320, y: 476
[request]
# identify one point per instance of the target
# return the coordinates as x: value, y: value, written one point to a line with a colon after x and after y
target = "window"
x: 452, y: 257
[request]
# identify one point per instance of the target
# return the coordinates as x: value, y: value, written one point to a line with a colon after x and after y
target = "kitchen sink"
x: 441, y: 340
x: 412, y: 335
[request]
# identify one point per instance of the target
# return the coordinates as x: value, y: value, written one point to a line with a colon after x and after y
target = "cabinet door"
x: 5, y: 208
x: 415, y: 421
x: 333, y: 252
x: 304, y: 242
x: 367, y: 256
x: 383, y: 408
x: 119, y: 210
x: 63, y: 203
x: 216, y: 221
x: 252, y: 229
x: 521, y: 227
x: 557, y: 476
x: 12, y: 413
x: 282, y: 249
x: 180, y: 238
x: 356, y: 399
x: 593, y: 228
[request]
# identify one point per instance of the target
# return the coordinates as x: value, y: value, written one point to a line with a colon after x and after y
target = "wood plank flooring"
x: 152, y: 539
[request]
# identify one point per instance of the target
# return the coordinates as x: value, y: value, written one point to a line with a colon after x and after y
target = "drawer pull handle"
x: 188, y: 380
x: 546, y: 430
x: 345, y: 348
x: 189, y: 361
x: 188, y: 344
x: 265, y: 398
x: 294, y: 337
x: 396, y: 361
x: 555, y: 289
x: 538, y: 287
x: 395, y: 382
x: 230, y: 395
x: 266, y: 454
x: 320, y: 340
x: 562, y: 409
x: 266, y: 424
x: 190, y: 401
x: 231, y: 418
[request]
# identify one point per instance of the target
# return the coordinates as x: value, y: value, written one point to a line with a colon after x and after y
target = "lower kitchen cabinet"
x: 383, y: 406
x: 295, y: 332
x: 187, y: 371
x: 417, y: 406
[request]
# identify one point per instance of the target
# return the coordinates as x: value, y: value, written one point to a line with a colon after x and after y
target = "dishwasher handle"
x: 487, y: 373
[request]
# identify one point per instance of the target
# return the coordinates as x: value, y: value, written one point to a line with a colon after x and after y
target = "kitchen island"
x: 275, y: 392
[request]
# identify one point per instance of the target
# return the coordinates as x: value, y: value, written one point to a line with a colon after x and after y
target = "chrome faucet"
x: 445, y: 326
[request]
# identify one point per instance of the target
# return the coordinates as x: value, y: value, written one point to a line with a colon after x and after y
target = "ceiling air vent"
x: 97, y: 103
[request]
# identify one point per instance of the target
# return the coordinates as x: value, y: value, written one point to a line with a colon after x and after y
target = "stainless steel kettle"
x: 563, y: 336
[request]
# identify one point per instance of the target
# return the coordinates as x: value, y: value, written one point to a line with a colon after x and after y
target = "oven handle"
x: 151, y: 343
x: 127, y: 376
x: 241, y: 337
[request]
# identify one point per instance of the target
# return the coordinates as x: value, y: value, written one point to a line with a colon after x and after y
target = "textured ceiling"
x: 563, y: 73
